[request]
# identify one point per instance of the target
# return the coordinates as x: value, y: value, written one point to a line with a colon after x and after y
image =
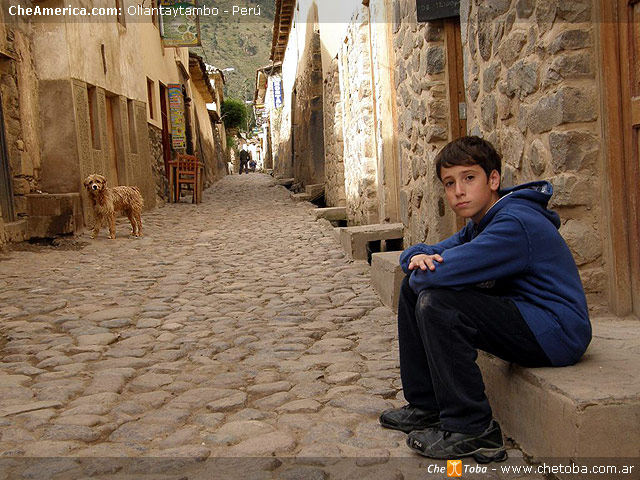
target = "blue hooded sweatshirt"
x: 517, y: 252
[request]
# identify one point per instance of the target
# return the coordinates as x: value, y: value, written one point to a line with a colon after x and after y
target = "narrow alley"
x: 233, y: 330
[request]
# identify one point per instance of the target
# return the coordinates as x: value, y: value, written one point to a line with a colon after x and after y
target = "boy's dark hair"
x: 468, y: 151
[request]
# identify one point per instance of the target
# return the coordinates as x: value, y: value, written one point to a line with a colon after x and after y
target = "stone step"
x: 591, y: 409
x: 16, y: 231
x: 331, y: 213
x: 354, y: 239
x: 583, y: 411
x: 300, y: 197
x: 315, y: 190
x: 386, y: 277
x: 53, y: 214
x: 285, y: 182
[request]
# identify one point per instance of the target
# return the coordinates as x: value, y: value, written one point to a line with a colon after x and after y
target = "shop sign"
x: 176, y: 116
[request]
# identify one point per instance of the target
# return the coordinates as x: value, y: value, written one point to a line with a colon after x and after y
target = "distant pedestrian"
x: 244, y: 160
x: 252, y: 165
x: 506, y: 284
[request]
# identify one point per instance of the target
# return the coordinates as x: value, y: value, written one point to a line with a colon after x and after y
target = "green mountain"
x: 233, y: 40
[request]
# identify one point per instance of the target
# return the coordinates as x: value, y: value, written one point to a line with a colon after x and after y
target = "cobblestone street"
x: 233, y: 330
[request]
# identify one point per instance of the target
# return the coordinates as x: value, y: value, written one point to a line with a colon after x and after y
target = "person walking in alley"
x: 245, y: 157
x: 506, y: 283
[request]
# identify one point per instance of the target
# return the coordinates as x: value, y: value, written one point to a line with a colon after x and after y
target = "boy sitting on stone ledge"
x: 506, y: 284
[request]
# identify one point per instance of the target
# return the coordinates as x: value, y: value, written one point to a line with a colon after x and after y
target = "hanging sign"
x: 176, y: 116
x: 434, y: 9
x: 180, y: 23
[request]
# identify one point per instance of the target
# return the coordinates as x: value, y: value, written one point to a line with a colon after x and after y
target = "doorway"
x: 113, y: 144
x: 6, y: 190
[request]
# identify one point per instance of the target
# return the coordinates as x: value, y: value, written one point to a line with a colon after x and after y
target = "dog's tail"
x: 137, y: 189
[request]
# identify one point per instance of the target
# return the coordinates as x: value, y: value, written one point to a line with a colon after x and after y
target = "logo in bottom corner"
x: 454, y: 468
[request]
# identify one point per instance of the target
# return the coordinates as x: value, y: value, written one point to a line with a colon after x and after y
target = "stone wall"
x: 308, y: 141
x: 281, y: 129
x: 158, y: 171
x: 334, y: 141
x: 360, y: 162
x: 19, y: 92
x: 421, y: 102
x: 532, y: 91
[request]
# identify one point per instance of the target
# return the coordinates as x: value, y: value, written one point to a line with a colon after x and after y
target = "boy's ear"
x: 494, y: 180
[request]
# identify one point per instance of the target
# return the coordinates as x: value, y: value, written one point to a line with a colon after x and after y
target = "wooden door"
x: 113, y: 150
x: 630, y: 32
x: 620, y: 37
x: 455, y: 86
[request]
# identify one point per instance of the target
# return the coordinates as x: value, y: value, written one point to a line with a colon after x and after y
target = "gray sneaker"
x: 485, y: 447
x: 408, y: 419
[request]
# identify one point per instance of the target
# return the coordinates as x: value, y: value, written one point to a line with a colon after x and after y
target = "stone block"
x: 314, y: 190
x: 16, y: 231
x: 573, y: 150
x: 583, y: 240
x: 570, y: 40
x: 53, y: 204
x: 585, y: 410
x: 435, y: 60
x: 331, y: 213
x: 51, y: 215
x: 285, y: 182
x: 21, y: 186
x: 571, y: 190
x: 522, y: 79
x: 354, y: 239
x: 386, y: 277
x: 300, y: 197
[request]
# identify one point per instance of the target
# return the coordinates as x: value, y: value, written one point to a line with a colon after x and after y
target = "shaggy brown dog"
x: 107, y: 201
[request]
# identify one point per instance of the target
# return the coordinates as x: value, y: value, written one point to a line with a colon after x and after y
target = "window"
x: 133, y: 133
x: 92, y: 95
x: 150, y: 98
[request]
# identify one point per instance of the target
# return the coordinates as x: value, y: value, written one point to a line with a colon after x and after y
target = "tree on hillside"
x: 234, y: 113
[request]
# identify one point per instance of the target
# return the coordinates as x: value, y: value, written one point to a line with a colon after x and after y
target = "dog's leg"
x: 112, y: 226
x: 132, y: 219
x: 96, y: 226
x: 139, y: 222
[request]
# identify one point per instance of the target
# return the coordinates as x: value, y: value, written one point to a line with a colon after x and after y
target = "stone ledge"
x: 354, y: 239
x: 586, y: 410
x: 315, y: 190
x: 285, y: 182
x: 53, y: 214
x: 386, y: 277
x: 331, y: 213
x: 16, y: 231
x: 300, y: 197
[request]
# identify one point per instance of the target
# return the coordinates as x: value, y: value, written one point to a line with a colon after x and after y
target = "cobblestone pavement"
x: 234, y: 337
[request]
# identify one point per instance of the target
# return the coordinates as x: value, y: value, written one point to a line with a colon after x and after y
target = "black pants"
x: 243, y: 166
x: 439, y: 332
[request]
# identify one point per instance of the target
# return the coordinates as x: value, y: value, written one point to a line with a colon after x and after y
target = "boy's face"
x: 469, y: 192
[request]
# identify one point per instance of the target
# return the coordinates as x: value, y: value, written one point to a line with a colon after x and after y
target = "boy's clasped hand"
x: 424, y: 261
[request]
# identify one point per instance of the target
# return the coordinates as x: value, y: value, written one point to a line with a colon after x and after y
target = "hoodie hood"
x: 534, y: 194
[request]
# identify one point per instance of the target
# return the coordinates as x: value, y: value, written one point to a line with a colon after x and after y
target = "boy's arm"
x: 453, y: 241
x: 501, y: 250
